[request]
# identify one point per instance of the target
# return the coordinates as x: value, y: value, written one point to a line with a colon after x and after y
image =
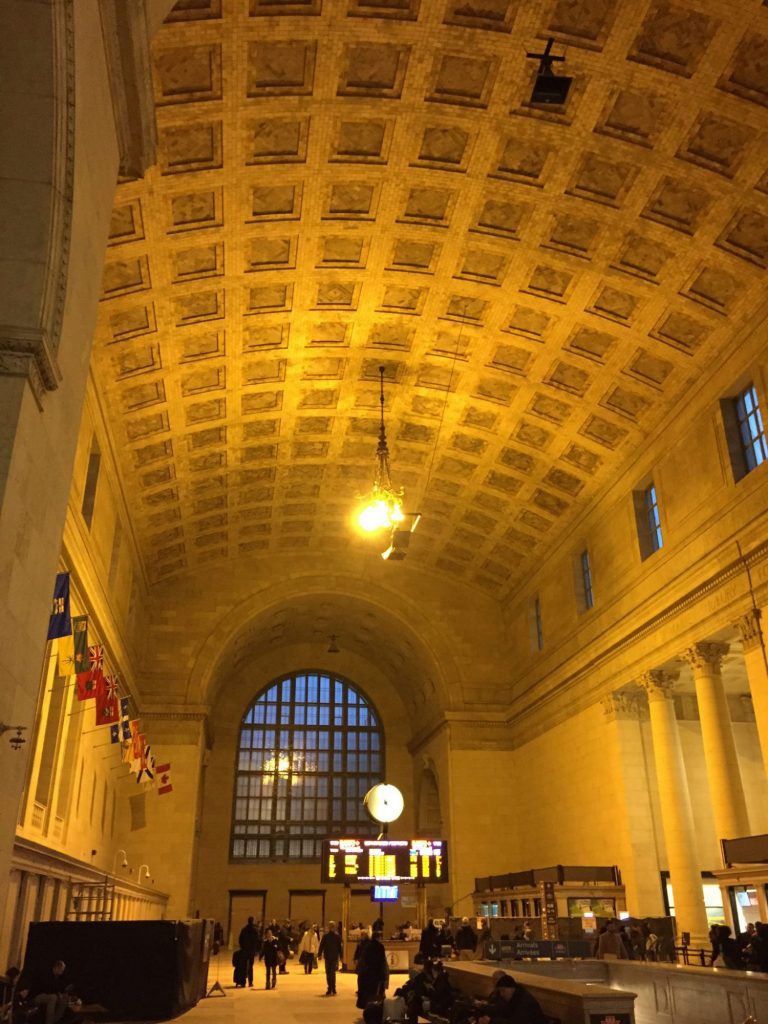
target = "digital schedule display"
x: 384, y: 860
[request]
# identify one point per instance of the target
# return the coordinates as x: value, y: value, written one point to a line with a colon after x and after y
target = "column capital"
x: 749, y: 628
x: 706, y: 656
x: 659, y: 683
x: 620, y: 706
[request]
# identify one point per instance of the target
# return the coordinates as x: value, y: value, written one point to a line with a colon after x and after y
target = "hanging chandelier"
x: 383, y: 509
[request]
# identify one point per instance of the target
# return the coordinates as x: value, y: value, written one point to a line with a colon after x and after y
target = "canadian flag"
x: 163, y: 779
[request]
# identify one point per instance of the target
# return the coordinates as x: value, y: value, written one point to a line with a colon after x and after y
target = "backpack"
x: 374, y: 1013
x: 394, y: 1009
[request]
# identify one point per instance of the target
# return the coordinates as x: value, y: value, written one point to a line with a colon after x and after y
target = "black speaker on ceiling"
x: 549, y: 88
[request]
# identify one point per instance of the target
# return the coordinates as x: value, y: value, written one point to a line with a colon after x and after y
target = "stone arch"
x: 432, y: 653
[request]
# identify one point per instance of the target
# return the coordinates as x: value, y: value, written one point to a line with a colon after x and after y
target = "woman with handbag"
x: 308, y: 948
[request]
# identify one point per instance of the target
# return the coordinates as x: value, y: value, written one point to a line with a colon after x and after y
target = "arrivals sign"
x: 384, y: 860
x: 548, y: 910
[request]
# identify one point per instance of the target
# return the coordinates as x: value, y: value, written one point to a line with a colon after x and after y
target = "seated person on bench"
x: 511, y: 1003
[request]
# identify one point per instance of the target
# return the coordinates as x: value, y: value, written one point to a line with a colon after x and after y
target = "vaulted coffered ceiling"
x: 343, y: 184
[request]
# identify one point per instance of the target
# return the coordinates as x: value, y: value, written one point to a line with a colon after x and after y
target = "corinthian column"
x: 676, y: 813
x: 757, y: 674
x: 726, y: 790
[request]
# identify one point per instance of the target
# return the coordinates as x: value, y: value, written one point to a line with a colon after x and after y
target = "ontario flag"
x: 107, y: 710
x: 88, y: 682
x: 163, y: 779
x: 80, y: 639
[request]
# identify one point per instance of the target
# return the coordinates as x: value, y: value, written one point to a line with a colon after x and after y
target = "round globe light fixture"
x: 384, y: 803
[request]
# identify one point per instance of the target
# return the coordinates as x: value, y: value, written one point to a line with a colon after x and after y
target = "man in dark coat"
x: 249, y: 941
x: 511, y: 1003
x: 372, y: 971
x: 466, y: 940
x: 429, y: 946
x: 329, y: 951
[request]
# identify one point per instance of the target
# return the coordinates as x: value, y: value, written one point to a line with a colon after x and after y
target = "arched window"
x: 311, y: 747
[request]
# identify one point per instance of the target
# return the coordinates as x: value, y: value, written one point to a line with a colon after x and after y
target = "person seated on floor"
x: 50, y: 996
x: 511, y: 1003
x: 12, y: 1006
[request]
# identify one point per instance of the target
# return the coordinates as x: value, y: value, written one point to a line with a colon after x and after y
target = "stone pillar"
x: 634, y: 828
x: 676, y: 813
x: 726, y: 790
x: 756, y: 665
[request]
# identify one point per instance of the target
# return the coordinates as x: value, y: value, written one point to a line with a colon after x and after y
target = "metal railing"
x: 693, y: 957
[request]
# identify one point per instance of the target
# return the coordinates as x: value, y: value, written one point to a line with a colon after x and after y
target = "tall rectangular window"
x: 586, y: 579
x: 648, y: 520
x: 91, y: 479
x: 652, y: 517
x: 114, y: 561
x: 751, y: 431
x: 538, y: 623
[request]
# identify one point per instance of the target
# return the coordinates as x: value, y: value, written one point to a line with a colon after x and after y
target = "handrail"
x: 694, y: 957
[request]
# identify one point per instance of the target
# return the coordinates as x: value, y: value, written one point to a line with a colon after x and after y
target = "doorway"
x: 307, y: 905
x: 244, y: 903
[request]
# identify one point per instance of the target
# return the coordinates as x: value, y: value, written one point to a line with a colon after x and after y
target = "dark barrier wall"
x: 150, y: 970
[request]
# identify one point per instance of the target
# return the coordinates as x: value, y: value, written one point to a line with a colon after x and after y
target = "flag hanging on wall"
x: 106, y: 700
x: 135, y: 752
x: 147, y: 766
x: 80, y: 637
x: 125, y: 725
x: 65, y: 652
x: 114, y: 733
x: 163, y: 775
x: 60, y: 623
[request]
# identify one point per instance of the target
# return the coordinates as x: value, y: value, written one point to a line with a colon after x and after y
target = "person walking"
x: 308, y: 947
x: 248, y: 941
x: 269, y: 954
x: 329, y: 951
x: 284, y: 946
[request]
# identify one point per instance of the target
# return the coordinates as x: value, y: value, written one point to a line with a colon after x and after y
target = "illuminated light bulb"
x: 374, y: 516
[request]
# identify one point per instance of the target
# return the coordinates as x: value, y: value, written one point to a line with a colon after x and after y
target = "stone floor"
x: 298, y: 999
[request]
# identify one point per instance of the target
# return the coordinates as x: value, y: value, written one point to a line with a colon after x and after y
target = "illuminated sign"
x: 384, y: 860
x: 385, y: 893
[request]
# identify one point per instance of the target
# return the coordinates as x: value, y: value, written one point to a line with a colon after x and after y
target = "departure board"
x: 384, y: 860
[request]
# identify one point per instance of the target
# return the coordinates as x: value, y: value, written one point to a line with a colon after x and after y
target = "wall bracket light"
x: 18, y: 740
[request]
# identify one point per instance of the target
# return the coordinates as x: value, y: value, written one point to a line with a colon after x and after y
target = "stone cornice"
x: 63, y: 181
x: 468, y: 730
x: 26, y: 352
x: 174, y: 712
x: 541, y: 694
x: 38, y: 859
x: 126, y: 45
x: 30, y: 351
